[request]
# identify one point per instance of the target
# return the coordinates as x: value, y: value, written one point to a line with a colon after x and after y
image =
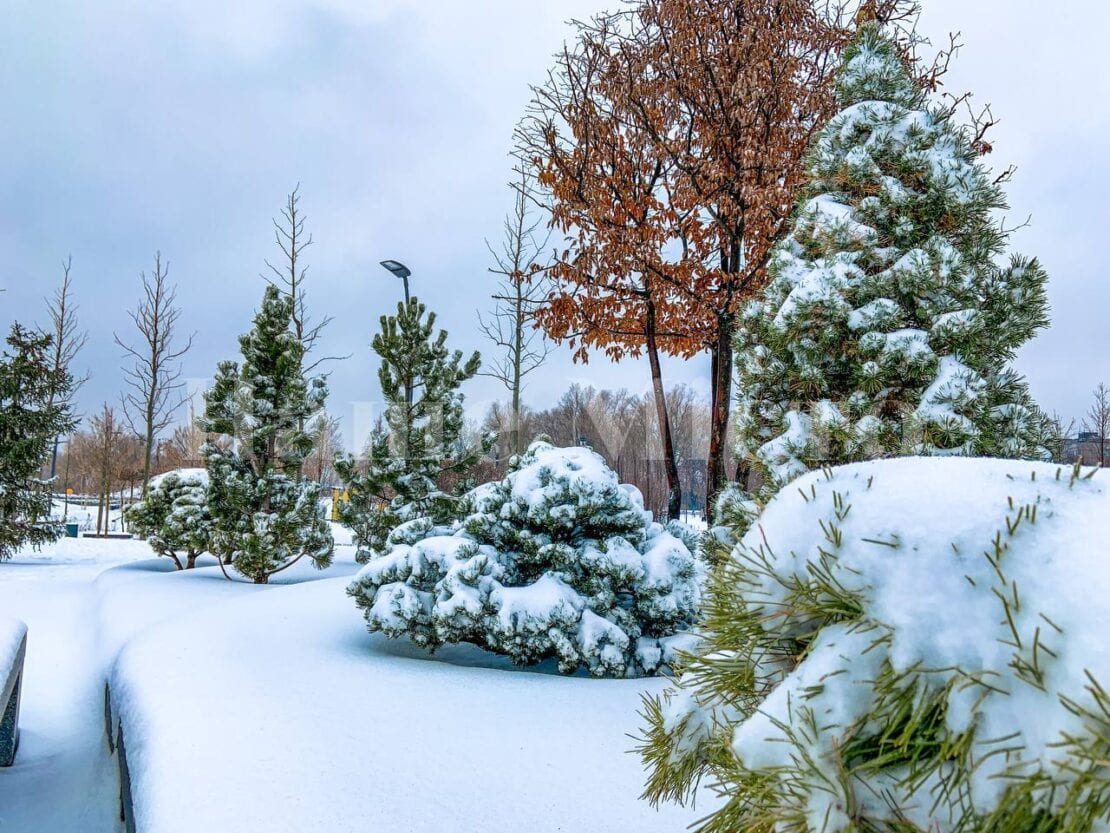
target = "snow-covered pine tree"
x: 557, y: 560
x: 399, y: 483
x: 888, y: 326
x: 173, y: 517
x: 265, y: 514
x: 33, y: 411
x: 902, y: 646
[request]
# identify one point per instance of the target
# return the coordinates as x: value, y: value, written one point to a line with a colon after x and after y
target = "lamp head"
x: 397, y: 268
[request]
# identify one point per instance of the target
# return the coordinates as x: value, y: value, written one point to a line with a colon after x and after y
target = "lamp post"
x: 399, y: 270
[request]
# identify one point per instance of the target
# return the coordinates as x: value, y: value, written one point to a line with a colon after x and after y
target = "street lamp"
x: 401, y: 271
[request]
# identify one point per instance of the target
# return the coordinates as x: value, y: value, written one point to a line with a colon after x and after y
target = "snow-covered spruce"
x: 421, y: 447
x: 33, y: 414
x: 559, y: 560
x: 907, y: 645
x: 266, y: 514
x: 888, y: 327
x: 174, y: 517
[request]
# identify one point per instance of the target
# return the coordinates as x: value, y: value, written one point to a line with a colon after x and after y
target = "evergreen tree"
x: 420, y: 379
x: 33, y: 411
x: 901, y: 646
x: 888, y: 325
x: 266, y: 515
x: 557, y: 560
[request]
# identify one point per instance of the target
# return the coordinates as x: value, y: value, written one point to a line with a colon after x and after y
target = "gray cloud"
x: 135, y: 126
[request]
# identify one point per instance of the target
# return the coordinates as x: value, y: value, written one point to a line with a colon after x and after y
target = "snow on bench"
x: 353, y: 732
x: 13, y: 648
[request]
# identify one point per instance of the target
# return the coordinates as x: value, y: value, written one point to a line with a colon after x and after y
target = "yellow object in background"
x: 337, y: 496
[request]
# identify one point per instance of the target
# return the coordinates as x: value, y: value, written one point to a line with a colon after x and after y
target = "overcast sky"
x: 130, y: 126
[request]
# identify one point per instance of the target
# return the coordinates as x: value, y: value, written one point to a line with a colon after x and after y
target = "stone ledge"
x: 11, y: 683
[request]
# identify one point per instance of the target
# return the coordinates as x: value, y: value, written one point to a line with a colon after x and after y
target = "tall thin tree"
x: 512, y: 326
x: 106, y: 435
x: 1097, y: 421
x: 67, y: 339
x: 154, y: 382
x: 289, y: 274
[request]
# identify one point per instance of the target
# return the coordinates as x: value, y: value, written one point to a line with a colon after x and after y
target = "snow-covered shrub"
x: 904, y: 645
x: 733, y: 512
x: 174, y: 517
x: 559, y: 560
x: 893, y: 310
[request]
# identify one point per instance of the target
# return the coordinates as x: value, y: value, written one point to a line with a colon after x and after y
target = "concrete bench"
x: 13, y: 649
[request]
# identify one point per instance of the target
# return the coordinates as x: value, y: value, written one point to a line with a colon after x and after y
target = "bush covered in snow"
x: 909, y: 645
x: 174, y: 517
x: 559, y: 560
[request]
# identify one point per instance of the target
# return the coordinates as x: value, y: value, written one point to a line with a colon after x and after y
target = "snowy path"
x: 63, y: 779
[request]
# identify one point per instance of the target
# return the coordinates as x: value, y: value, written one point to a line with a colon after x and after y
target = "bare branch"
x: 290, y: 274
x: 153, y: 382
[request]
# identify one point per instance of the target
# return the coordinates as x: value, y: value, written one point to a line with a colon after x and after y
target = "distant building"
x: 1088, y: 446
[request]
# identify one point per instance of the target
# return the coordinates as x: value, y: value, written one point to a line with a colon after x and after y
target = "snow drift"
x: 914, y: 645
x: 312, y: 724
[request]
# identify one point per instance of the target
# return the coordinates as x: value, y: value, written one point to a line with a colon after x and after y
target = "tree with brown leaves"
x: 608, y: 194
x: 671, y: 138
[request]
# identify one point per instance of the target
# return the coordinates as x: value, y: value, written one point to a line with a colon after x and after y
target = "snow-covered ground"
x: 319, y: 726
x: 61, y: 780
x: 271, y: 709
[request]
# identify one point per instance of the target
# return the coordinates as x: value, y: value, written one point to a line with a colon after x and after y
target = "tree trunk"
x: 147, y: 451
x: 674, y: 487
x: 721, y: 400
x: 514, y: 425
x: 54, y: 459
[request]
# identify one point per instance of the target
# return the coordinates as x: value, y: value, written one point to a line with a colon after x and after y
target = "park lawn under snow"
x: 61, y: 781
x: 78, y: 616
x: 279, y: 709
x: 270, y: 708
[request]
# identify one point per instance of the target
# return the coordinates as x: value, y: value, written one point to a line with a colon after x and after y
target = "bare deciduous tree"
x: 290, y: 273
x: 1097, y: 421
x: 623, y: 427
x: 327, y: 441
x: 68, y: 339
x: 512, y: 325
x: 154, y: 380
x: 105, y: 439
x: 1060, y: 432
x: 181, y: 450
